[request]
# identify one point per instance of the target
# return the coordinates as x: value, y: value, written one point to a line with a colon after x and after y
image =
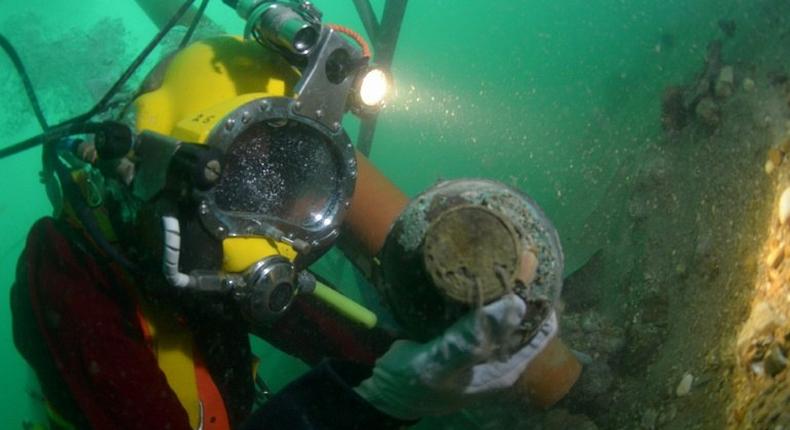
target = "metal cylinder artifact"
x: 461, y: 245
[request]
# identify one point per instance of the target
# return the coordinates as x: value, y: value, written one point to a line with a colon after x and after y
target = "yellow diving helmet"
x: 246, y: 138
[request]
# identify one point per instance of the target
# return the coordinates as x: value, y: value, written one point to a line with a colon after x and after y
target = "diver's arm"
x: 323, y: 399
x: 311, y: 331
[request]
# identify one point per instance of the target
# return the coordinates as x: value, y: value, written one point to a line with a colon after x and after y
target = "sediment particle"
x: 769, y: 167
x: 724, y: 84
x: 775, y: 156
x: 784, y: 205
x: 727, y: 74
x: 748, y: 84
x: 775, y: 257
x: 684, y: 387
x: 708, y: 111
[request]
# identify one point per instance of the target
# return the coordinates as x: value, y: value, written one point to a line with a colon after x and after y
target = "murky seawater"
x: 664, y: 231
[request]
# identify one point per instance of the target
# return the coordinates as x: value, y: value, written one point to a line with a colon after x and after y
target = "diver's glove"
x: 482, y: 353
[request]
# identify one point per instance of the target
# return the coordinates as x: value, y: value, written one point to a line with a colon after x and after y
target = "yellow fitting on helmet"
x: 239, y: 253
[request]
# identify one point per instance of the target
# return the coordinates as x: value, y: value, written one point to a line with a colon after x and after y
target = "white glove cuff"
x: 499, y: 375
x: 546, y: 332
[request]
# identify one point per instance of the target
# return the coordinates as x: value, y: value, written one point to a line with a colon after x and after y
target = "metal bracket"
x: 319, y: 98
x: 384, y: 36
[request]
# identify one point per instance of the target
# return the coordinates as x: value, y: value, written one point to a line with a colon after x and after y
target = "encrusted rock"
x: 596, y: 379
x: 775, y: 257
x: 769, y: 167
x: 726, y: 82
x: 561, y: 419
x: 667, y: 415
x: 708, y: 112
x: 727, y: 75
x: 775, y: 361
x: 649, y: 419
x: 784, y: 205
x: 591, y: 322
x: 762, y: 322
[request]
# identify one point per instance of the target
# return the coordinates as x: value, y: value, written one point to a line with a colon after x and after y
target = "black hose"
x: 20, y: 69
x: 87, y: 219
x: 194, y: 24
x: 54, y: 133
x: 58, y: 129
x: 102, y: 104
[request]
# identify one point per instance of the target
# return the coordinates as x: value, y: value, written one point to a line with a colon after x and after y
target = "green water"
x: 551, y: 97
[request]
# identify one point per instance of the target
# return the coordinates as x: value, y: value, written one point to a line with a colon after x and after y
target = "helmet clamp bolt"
x: 211, y: 172
x: 230, y: 123
x: 245, y: 117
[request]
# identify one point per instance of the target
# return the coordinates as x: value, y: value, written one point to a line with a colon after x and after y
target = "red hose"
x: 354, y: 35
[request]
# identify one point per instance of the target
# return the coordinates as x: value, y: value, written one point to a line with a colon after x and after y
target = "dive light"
x: 295, y: 27
x: 282, y: 26
x: 372, y: 86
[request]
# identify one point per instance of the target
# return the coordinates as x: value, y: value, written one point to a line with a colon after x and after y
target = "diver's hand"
x: 480, y: 354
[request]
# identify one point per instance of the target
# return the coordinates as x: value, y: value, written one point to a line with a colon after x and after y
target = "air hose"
x: 80, y: 125
x: 102, y: 104
x: 194, y: 24
x: 171, y: 253
x: 356, y: 37
x: 64, y: 128
x: 20, y: 69
x: 72, y: 193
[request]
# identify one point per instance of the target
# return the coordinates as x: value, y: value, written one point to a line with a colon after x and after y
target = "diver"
x: 189, y: 219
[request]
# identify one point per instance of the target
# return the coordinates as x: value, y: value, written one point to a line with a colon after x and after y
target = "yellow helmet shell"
x: 204, y: 82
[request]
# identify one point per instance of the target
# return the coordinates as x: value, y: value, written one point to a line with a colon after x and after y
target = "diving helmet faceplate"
x: 283, y: 176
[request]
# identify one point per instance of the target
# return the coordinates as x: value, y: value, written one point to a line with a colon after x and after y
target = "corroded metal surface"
x: 424, y: 304
x: 471, y: 254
